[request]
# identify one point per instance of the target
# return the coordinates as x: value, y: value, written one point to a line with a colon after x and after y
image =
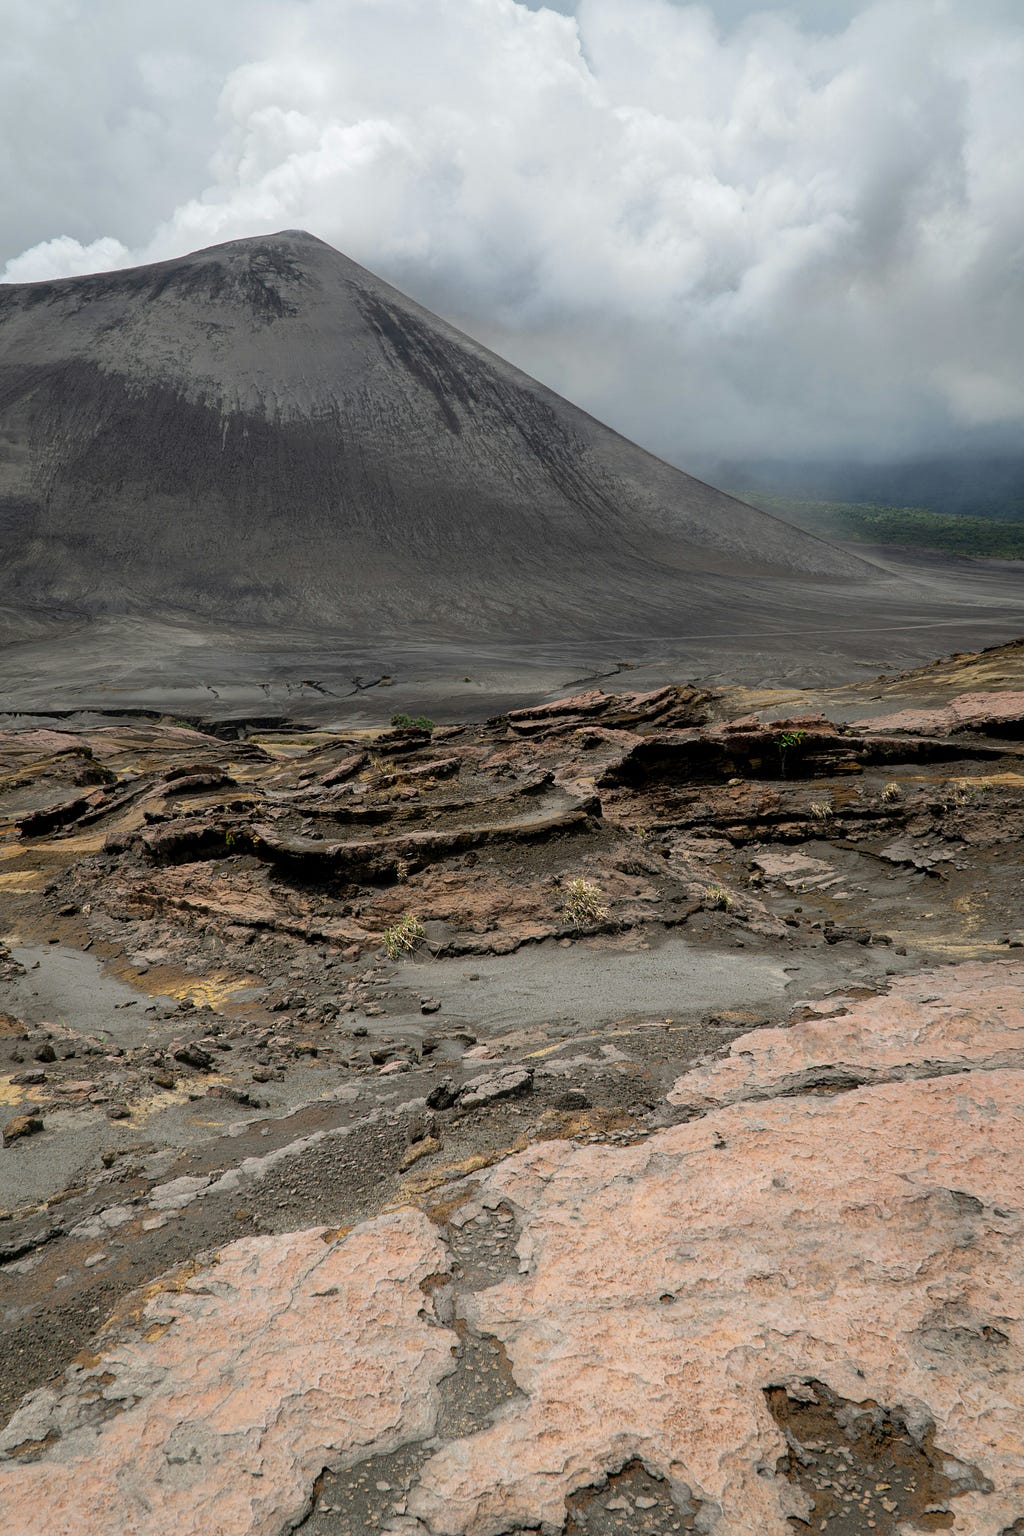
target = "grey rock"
x: 194, y: 1056
x: 443, y: 1096
x: 506, y: 1083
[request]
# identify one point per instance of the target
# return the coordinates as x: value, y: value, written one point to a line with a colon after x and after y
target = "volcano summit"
x: 266, y: 431
x: 264, y: 437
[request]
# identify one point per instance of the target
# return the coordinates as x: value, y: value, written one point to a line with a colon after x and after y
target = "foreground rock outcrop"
x: 796, y: 1247
x: 964, y: 1019
x: 237, y: 1386
x: 870, y: 1244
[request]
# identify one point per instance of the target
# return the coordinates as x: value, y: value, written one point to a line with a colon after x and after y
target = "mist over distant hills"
x: 968, y: 483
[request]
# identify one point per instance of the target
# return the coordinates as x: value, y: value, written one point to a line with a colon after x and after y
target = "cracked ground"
x: 662, y: 1174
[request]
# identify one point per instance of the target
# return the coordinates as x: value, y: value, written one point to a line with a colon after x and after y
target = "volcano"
x: 266, y: 433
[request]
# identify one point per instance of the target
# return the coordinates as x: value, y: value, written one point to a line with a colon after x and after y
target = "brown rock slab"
x: 20, y: 1126
x: 191, y: 1055
x: 994, y: 714
x: 668, y: 707
x: 507, y: 1083
x: 345, y: 769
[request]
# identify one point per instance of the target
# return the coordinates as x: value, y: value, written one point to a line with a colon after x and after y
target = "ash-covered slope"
x: 264, y: 432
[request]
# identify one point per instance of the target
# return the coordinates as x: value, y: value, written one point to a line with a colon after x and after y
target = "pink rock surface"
x: 943, y: 1020
x: 668, y: 1284
x: 42, y: 742
x: 967, y: 712
x: 288, y: 1355
x: 872, y: 1240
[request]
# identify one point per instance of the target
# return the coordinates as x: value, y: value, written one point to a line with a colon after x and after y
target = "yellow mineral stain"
x: 961, y: 951
x: 605, y: 1034
x: 210, y: 991
x: 155, y: 1331
x: 424, y: 1183
x: 131, y: 1309
x: 554, y: 1125
x: 18, y: 880
x: 335, y: 1234
x: 71, y: 847
x: 282, y: 748
x: 987, y: 949
x: 14, y: 1093
x: 247, y: 773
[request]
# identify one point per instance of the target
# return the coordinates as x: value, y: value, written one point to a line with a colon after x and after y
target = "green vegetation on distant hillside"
x: 872, y: 523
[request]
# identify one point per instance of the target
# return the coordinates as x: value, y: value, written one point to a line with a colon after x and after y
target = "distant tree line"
x: 980, y: 538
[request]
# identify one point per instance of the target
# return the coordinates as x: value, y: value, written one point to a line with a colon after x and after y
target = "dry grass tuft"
x: 403, y: 937
x: 584, y: 903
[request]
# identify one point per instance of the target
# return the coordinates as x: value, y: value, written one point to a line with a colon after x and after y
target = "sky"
x: 730, y: 230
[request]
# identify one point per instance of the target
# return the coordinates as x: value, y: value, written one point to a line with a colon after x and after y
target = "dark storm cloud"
x: 727, y: 229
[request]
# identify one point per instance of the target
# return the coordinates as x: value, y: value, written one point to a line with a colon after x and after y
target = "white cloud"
x: 717, y: 227
x: 65, y: 257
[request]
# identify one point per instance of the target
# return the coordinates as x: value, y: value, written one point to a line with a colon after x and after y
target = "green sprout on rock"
x: 786, y: 742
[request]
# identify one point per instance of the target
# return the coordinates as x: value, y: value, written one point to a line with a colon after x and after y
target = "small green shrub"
x: 891, y: 793
x: 718, y: 898
x: 403, y: 722
x: 584, y: 904
x: 403, y: 937
x: 787, y: 742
